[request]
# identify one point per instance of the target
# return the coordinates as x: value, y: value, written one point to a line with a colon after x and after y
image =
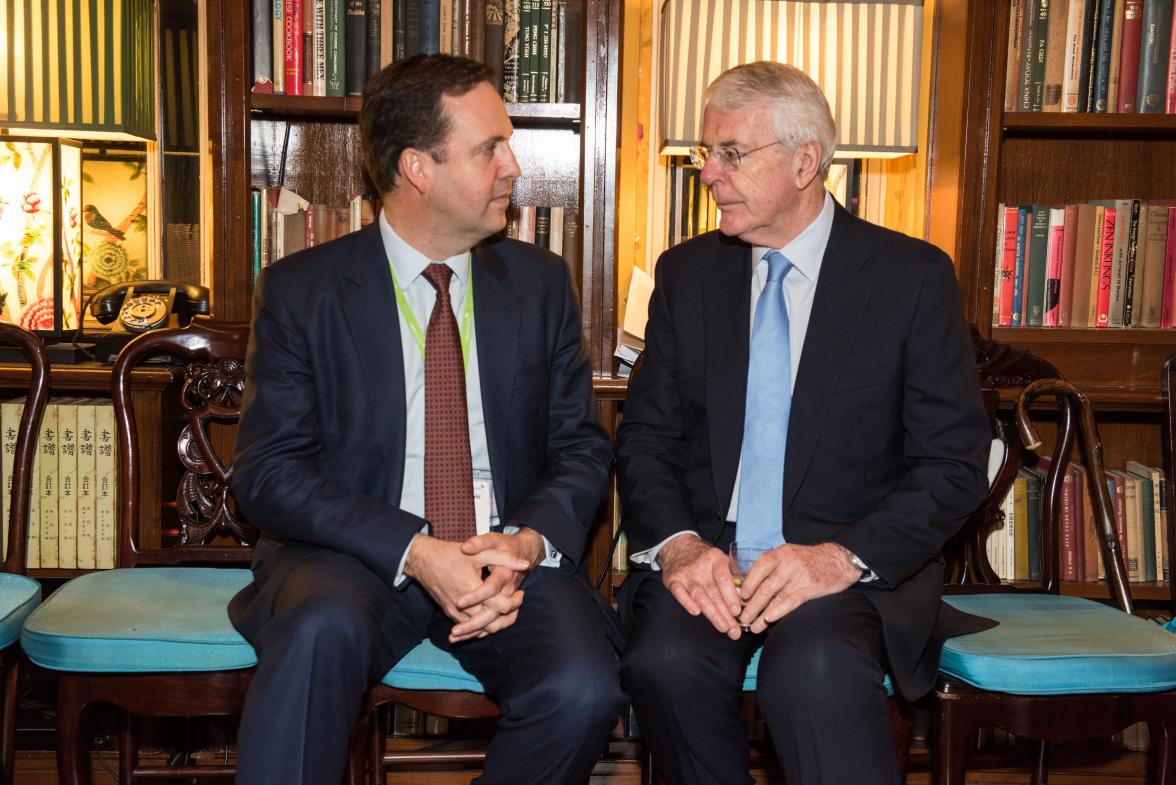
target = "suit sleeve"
x: 945, y: 442
x: 652, y: 440
x: 561, y: 505
x: 277, y: 479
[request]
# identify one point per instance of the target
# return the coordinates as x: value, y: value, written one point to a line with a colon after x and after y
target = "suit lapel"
x: 843, y: 290
x: 496, y: 326
x: 374, y: 321
x: 726, y: 326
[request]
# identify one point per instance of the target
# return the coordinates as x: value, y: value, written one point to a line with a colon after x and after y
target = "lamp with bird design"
x: 40, y: 233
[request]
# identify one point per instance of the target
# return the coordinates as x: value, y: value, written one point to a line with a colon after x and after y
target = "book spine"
x: 33, y: 539
x: 355, y: 47
x: 543, y: 60
x: 1008, y: 267
x: 492, y: 36
x: 307, y: 47
x: 511, y: 43
x: 1102, y: 64
x: 1036, y: 264
x: 527, y: 214
x: 1072, y: 75
x: 526, y: 44
x: 1055, y: 57
x: 292, y: 36
x: 1154, y: 219
x: 412, y: 27
x: 372, y: 22
x: 1169, y: 309
x: 278, y: 34
x: 1116, y: 48
x: 1119, y: 270
x: 1023, y: 214
x: 572, y: 252
x: 430, y: 36
x: 1132, y: 252
x: 86, y: 520
x: 447, y: 14
x: 10, y: 414
x: 387, y: 32
x: 336, y: 46
x: 1170, y: 99
x: 1012, y: 96
x: 105, y: 501
x: 319, y: 77
x: 543, y: 227
x: 1129, y: 56
x: 67, y: 488
x: 573, y: 64
x: 47, y: 485
x: 557, y: 231
x: 1154, y: 55
x: 1069, y: 255
x: 1083, y: 263
x: 475, y: 22
x: 263, y: 45
x: 1106, y: 268
x: 1090, y: 54
x: 1028, y: 54
x: 1053, y: 268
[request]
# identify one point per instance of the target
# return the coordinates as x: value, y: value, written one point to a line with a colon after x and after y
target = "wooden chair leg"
x: 73, y: 759
x: 128, y: 748
x: 376, y: 744
x: 1041, y: 773
x: 900, y: 729
x: 8, y: 732
x: 950, y: 751
x: 356, y: 753
x: 1160, y: 757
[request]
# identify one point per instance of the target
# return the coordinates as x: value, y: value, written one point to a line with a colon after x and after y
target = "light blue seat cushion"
x: 1051, y: 645
x: 751, y: 675
x: 428, y: 668
x: 18, y: 596
x: 145, y: 620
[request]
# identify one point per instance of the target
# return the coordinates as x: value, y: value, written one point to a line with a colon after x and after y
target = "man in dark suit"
x: 419, y: 447
x: 808, y: 384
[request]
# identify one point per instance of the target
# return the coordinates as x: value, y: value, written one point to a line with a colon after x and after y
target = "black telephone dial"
x: 140, y: 306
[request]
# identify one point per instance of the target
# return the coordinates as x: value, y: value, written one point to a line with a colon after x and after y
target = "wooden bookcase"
x: 1052, y: 158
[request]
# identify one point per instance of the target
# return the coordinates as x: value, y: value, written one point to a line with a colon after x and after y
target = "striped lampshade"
x: 864, y: 54
x: 84, y: 68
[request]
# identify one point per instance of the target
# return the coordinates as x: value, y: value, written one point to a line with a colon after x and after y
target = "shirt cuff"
x: 868, y: 575
x: 401, y: 579
x: 551, y: 556
x: 649, y: 557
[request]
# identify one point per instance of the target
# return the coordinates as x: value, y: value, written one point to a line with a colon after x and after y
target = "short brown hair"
x: 402, y: 108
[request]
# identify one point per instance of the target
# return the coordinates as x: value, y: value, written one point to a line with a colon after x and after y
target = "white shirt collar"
x: 807, y: 249
x: 408, y: 263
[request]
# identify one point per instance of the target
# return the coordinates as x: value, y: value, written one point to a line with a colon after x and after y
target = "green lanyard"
x: 414, y: 327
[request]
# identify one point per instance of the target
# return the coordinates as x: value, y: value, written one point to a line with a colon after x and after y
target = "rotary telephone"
x: 140, y: 306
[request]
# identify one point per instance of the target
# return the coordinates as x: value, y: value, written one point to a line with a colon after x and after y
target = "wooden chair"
x: 1056, y: 667
x: 153, y: 637
x: 19, y: 595
x: 1168, y: 388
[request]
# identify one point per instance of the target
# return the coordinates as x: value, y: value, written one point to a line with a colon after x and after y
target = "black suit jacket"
x: 320, y: 450
x: 887, y: 438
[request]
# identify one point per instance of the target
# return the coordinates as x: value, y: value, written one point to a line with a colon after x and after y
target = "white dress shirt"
x: 407, y: 263
x: 805, y: 251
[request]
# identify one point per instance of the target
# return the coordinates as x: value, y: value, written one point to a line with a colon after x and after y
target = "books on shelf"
x: 1108, y: 263
x: 331, y: 47
x: 71, y: 523
x: 552, y: 227
x: 1140, y: 516
x: 283, y: 222
x: 1091, y: 56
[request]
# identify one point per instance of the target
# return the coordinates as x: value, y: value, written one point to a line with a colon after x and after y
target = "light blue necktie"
x: 765, y: 422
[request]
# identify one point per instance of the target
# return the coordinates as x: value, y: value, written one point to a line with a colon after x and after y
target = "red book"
x: 1069, y: 255
x: 1170, y: 102
x: 292, y: 46
x: 1053, y: 266
x: 1129, y: 55
x: 1008, y: 267
x: 1168, y: 312
x: 1106, y: 263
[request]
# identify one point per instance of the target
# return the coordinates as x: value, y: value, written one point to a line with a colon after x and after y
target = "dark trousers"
x: 819, y: 690
x: 336, y: 629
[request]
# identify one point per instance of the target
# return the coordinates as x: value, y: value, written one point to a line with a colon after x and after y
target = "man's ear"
x: 806, y: 163
x: 415, y: 168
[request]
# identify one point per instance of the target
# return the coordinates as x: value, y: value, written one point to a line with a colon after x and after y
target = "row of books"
x: 1105, y: 263
x: 1091, y: 56
x: 72, y: 509
x: 553, y: 228
x: 284, y: 222
x: 331, y: 47
x: 1141, y: 515
x: 690, y: 208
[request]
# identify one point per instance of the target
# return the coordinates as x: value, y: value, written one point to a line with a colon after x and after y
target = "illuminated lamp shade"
x: 865, y: 56
x: 40, y: 233
x: 78, y: 68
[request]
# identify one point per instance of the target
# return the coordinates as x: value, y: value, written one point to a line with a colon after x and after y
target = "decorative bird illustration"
x: 95, y: 220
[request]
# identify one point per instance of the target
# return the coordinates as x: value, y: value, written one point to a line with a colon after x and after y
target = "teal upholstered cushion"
x: 18, y: 596
x: 428, y: 668
x: 1050, y: 645
x: 140, y: 621
x: 751, y: 675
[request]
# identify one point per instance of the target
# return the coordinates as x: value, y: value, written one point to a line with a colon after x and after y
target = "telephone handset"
x: 148, y: 305
x: 141, y: 306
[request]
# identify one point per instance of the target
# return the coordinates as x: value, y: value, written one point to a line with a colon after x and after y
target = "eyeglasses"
x: 728, y: 158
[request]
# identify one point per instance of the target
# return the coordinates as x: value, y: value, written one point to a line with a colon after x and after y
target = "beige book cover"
x: 87, y: 444
x: 67, y: 484
x: 47, y: 479
x: 106, y: 498
x: 10, y: 414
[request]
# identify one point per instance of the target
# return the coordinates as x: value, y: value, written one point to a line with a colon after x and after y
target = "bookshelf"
x: 986, y: 156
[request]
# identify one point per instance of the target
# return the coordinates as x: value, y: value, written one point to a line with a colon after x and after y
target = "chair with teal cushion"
x: 153, y: 638
x: 19, y: 594
x: 1056, y: 667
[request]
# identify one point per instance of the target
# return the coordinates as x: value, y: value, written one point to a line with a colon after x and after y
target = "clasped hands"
x: 476, y: 582
x: 699, y: 577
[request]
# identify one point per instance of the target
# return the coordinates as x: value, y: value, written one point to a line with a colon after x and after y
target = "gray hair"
x: 800, y: 112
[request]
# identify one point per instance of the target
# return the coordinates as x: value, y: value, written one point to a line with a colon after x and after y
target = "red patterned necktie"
x: 449, y: 476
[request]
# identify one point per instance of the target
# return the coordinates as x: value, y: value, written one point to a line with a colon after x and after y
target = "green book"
x: 336, y: 47
x: 1035, y: 275
x: 543, y: 61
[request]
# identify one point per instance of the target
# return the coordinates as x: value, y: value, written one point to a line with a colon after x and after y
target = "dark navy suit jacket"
x: 887, y: 438
x: 320, y: 449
